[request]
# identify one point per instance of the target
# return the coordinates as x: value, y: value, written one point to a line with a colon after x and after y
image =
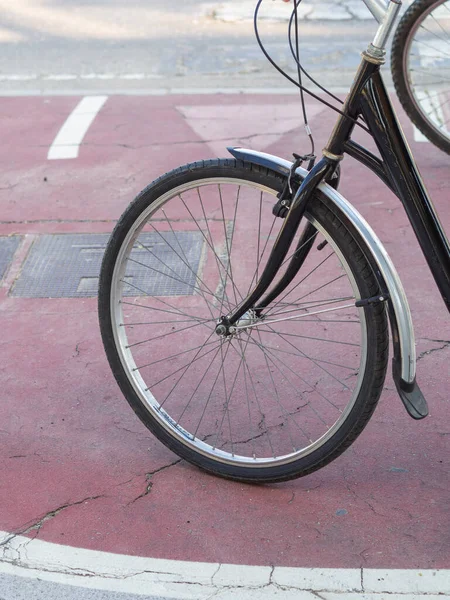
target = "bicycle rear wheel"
x: 293, y: 387
x: 420, y: 64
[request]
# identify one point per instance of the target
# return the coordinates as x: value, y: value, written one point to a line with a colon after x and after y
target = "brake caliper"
x: 281, y: 208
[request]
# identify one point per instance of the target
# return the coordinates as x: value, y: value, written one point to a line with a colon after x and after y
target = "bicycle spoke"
x: 442, y: 78
x: 313, y: 388
x: 170, y: 312
x: 186, y: 262
x: 261, y: 347
x: 210, y: 394
x: 299, y: 283
x: 308, y: 337
x: 209, y: 243
x: 304, y: 355
x: 227, y: 401
x: 314, y: 303
x: 432, y: 33
x: 259, y: 261
x: 228, y: 272
x: 199, y: 384
x: 177, y: 277
x: 295, y: 317
x: 200, y: 321
x: 163, y: 335
x: 257, y: 401
x: 297, y: 250
x: 258, y: 257
x: 315, y: 358
x: 242, y: 353
x: 310, y: 405
x: 321, y: 287
x: 187, y: 367
x: 167, y: 358
x: 438, y: 23
x: 308, y: 305
x: 434, y: 107
x: 202, y: 292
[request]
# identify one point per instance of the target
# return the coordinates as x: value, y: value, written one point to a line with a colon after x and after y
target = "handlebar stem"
x: 386, y: 24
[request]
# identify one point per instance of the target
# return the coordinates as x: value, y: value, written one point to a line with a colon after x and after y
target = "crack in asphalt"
x: 86, y: 573
x: 148, y: 477
x: 446, y: 344
x: 139, y: 433
x: 36, y: 526
x: 190, y: 142
x: 215, y: 573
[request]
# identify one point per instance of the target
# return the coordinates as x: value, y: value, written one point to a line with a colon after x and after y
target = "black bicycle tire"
x: 399, y: 50
x: 324, y: 211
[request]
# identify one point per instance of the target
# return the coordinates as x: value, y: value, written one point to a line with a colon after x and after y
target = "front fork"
x: 304, y: 245
x: 323, y: 171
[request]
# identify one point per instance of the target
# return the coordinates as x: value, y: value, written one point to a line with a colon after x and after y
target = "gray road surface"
x: 20, y: 588
x: 146, y: 45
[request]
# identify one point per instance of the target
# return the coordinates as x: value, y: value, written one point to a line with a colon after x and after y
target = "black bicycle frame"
x: 367, y: 98
x: 403, y: 178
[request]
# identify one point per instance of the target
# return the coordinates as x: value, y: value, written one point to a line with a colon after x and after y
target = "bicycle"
x: 420, y: 57
x: 259, y: 354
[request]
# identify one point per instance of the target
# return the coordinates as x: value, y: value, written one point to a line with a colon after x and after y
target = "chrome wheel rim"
x: 279, y: 374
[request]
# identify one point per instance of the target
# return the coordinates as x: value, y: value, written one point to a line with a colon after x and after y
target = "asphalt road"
x: 64, y: 46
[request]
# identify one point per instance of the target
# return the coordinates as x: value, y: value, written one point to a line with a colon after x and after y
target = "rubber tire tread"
x: 378, y: 337
x: 400, y: 76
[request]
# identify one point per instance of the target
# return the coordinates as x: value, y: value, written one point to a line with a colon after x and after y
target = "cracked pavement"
x: 80, y: 471
x: 92, y: 505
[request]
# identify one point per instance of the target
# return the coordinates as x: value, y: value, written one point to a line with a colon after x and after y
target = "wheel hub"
x: 249, y: 318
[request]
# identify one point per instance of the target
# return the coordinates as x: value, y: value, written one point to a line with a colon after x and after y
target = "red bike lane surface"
x: 79, y: 469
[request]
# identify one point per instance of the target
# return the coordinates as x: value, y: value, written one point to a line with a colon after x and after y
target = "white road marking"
x: 150, y: 91
x: 67, y: 143
x: 18, y: 77
x: 71, y: 76
x: 35, y: 559
x: 418, y: 135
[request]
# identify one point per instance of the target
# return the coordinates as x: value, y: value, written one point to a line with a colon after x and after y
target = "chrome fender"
x: 404, y: 363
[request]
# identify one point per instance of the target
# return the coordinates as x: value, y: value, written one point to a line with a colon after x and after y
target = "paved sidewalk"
x: 82, y: 477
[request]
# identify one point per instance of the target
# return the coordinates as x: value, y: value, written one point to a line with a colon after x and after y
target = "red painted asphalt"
x: 69, y: 441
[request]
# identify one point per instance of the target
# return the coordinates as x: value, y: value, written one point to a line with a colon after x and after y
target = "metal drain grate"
x: 8, y: 245
x: 68, y: 266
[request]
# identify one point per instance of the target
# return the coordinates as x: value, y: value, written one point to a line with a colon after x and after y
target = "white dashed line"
x: 67, y: 143
x: 73, y: 76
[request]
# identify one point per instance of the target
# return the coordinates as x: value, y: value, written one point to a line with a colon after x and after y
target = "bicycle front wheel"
x: 420, y: 63
x: 292, y: 387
